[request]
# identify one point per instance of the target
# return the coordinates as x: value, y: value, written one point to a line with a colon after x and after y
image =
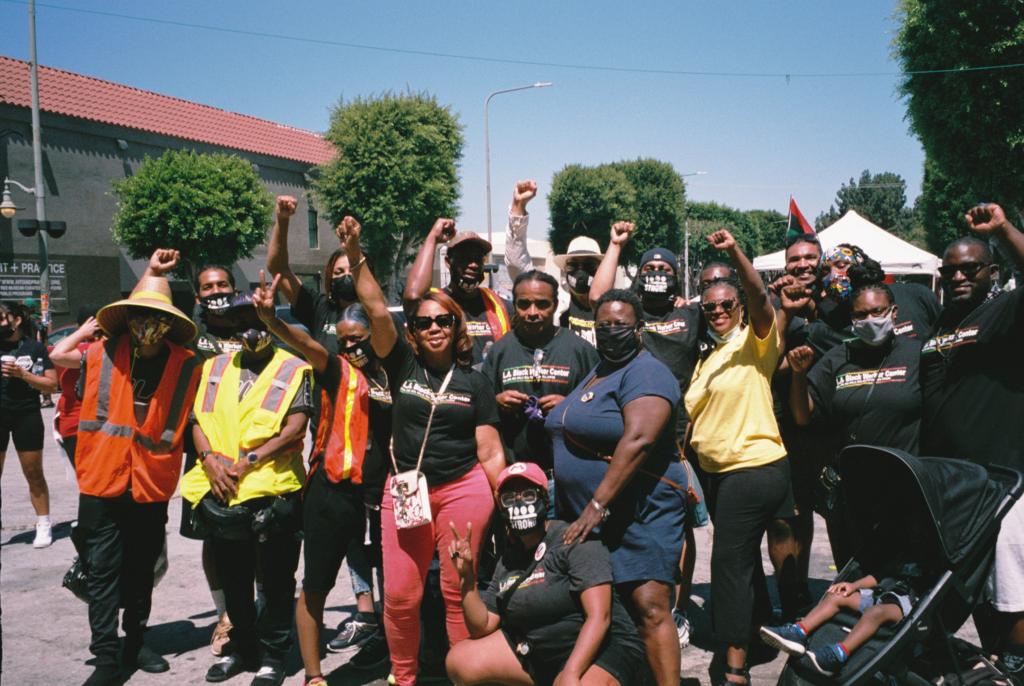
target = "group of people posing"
x: 552, y: 473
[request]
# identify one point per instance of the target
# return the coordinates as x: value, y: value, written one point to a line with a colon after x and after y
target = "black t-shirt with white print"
x: 377, y: 463
x: 478, y: 325
x: 972, y: 377
x: 671, y: 338
x: 545, y: 609
x: 841, y: 382
x: 917, y: 309
x: 556, y: 369
x: 579, y: 321
x: 33, y: 357
x: 468, y: 402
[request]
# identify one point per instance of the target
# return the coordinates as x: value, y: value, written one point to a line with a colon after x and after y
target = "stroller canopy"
x: 962, y: 497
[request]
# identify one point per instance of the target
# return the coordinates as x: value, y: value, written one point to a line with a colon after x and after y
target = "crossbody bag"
x: 409, y: 489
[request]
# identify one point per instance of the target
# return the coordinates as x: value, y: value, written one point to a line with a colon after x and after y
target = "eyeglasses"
x: 529, y: 496
x: 861, y: 315
x: 968, y: 269
x: 712, y: 307
x: 589, y: 266
x: 539, y: 304
x: 444, y: 321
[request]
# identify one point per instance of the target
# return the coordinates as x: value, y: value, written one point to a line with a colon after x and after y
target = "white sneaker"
x: 682, y: 627
x: 44, y: 536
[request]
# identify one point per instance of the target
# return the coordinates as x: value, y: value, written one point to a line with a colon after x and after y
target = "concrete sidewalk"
x: 46, y: 629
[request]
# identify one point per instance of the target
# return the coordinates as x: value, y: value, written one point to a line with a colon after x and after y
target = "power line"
x: 477, y: 58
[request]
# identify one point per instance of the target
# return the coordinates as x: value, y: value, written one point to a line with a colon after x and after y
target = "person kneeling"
x: 550, y: 615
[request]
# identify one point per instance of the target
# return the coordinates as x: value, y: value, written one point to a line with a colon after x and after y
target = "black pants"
x: 742, y: 504
x: 123, y: 540
x: 236, y: 570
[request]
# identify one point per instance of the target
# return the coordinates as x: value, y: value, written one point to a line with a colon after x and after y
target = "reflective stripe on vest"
x: 346, y: 446
x: 213, y: 380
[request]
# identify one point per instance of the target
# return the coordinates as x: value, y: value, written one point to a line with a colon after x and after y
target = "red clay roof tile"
x: 75, y: 95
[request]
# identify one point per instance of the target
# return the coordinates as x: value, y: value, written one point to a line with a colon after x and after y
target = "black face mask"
x: 216, y: 303
x: 579, y: 281
x: 616, y: 343
x: 360, y: 354
x: 522, y: 519
x: 658, y: 285
x: 6, y: 332
x: 343, y: 289
x: 255, y: 338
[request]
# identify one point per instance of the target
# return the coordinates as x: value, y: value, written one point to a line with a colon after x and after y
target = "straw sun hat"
x: 155, y: 293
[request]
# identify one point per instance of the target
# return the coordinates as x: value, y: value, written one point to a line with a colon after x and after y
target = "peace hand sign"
x: 263, y: 298
x: 461, y: 553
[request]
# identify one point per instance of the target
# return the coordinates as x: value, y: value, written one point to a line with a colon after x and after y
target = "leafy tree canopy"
x: 586, y: 201
x: 879, y: 198
x: 396, y: 172
x: 707, y: 217
x: 211, y: 208
x: 969, y: 122
x: 942, y: 206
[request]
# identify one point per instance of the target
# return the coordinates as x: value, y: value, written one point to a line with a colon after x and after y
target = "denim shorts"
x: 868, y: 598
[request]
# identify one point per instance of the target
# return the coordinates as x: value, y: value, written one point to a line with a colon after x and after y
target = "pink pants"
x: 407, y: 555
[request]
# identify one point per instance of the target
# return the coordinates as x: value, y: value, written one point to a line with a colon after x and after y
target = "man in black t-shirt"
x: 534, y: 368
x: 972, y: 378
x: 488, y: 316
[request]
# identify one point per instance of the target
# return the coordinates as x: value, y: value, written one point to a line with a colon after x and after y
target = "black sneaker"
x: 374, y: 652
x: 144, y: 658
x: 354, y: 631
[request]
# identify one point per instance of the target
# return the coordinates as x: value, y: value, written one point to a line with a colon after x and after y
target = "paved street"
x: 46, y: 630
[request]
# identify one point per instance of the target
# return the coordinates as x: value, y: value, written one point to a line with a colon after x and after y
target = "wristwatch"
x: 205, y: 454
x: 253, y: 459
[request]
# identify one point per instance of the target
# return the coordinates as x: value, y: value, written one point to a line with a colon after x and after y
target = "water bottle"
x: 37, y: 368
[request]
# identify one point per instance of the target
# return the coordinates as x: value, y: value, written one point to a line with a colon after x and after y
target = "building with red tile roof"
x: 94, y: 131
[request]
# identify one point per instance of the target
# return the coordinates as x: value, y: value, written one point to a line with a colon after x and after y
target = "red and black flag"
x: 797, y: 224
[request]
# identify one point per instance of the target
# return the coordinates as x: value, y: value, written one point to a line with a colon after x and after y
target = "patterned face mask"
x: 148, y: 328
x: 837, y: 287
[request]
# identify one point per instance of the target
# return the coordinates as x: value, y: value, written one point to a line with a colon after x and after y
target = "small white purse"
x: 409, y: 490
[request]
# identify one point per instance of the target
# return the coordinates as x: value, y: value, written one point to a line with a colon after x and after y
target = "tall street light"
x: 487, y: 148
x: 686, y: 245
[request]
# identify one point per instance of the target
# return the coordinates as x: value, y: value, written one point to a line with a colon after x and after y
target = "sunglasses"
x: 529, y: 496
x: 712, y: 307
x: 968, y: 269
x: 861, y: 315
x: 444, y: 321
x: 540, y: 304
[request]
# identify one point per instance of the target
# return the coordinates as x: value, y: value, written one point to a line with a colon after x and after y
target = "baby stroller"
x: 966, y: 503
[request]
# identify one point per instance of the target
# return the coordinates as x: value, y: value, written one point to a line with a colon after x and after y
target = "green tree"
x: 707, y: 217
x: 771, y: 227
x: 396, y: 172
x: 879, y: 198
x: 942, y: 206
x: 211, y: 208
x: 969, y: 122
x: 586, y: 201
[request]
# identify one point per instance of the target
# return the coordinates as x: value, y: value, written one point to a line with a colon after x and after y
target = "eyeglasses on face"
x: 861, y: 315
x: 712, y: 306
x: 444, y: 321
x: 529, y: 496
x: 968, y: 269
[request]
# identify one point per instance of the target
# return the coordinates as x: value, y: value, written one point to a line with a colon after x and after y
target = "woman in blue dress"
x: 618, y: 475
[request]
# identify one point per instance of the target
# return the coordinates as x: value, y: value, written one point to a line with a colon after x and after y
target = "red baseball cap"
x: 523, y: 470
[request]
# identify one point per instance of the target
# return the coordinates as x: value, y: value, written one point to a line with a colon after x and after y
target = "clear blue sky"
x: 760, y: 138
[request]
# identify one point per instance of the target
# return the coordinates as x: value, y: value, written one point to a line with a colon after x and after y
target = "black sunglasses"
x: 523, y: 304
x: 968, y: 269
x: 712, y: 307
x: 444, y: 321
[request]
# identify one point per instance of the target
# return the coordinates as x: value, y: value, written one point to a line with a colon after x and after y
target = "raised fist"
x: 801, y: 359
x: 286, y: 205
x: 621, y: 231
x: 348, y: 233
x: 524, y: 192
x: 443, y: 230
x: 986, y: 219
x: 163, y: 261
x: 721, y: 240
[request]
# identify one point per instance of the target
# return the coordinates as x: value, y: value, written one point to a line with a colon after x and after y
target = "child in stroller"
x: 901, y: 581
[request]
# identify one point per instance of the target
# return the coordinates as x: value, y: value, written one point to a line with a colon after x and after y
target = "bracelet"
x: 358, y: 264
x: 601, y: 510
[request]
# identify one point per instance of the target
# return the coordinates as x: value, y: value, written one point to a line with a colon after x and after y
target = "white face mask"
x: 727, y: 336
x: 874, y: 331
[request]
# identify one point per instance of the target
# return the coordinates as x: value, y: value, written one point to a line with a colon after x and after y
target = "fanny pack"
x: 409, y: 489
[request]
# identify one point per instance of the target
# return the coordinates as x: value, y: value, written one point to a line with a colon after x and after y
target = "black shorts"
x: 623, y: 660
x: 333, y: 516
x: 25, y: 427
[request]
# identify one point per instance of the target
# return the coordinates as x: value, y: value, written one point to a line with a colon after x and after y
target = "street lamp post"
x: 686, y: 245
x: 487, y: 154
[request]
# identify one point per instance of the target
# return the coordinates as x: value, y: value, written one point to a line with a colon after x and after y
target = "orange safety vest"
x: 112, y: 451
x: 497, y: 318
x: 343, y: 428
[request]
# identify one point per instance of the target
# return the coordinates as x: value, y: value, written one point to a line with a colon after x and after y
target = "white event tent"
x: 895, y: 255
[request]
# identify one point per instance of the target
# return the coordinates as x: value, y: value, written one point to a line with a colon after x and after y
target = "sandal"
x: 736, y: 671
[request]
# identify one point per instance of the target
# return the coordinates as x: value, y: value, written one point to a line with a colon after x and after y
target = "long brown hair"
x: 461, y: 343
x: 329, y: 274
